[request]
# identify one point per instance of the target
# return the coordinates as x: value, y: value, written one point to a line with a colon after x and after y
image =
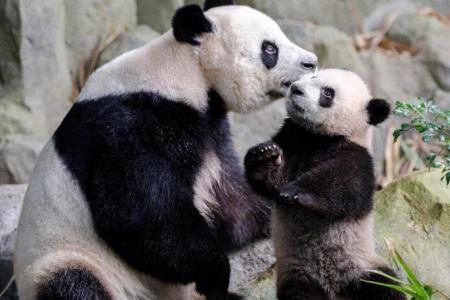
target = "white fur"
x: 204, y: 198
x: 347, y: 116
x: 228, y: 60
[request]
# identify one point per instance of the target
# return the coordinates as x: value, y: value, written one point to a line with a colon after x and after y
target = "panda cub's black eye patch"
x: 326, y: 97
x: 269, y: 54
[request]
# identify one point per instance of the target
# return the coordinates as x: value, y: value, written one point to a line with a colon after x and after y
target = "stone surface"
x: 46, y: 79
x: 263, y: 288
x: 9, y: 45
x: 413, y: 213
x: 348, y: 16
x: 18, y: 155
x: 333, y: 47
x: 22, y: 135
x: 127, y: 41
x: 253, y: 128
x: 157, y: 14
x: 11, y: 198
x: 89, y: 22
x: 250, y: 263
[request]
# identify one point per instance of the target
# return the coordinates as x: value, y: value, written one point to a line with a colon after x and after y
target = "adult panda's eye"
x: 270, y: 49
x: 269, y: 54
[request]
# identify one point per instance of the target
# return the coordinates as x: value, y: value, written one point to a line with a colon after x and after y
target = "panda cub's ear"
x: 189, y: 22
x: 378, y: 110
x: 215, y: 3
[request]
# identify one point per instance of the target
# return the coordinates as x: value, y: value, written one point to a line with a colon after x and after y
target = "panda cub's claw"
x: 288, y: 193
x: 264, y: 153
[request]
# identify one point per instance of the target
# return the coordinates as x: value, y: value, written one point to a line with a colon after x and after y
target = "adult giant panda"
x: 139, y: 195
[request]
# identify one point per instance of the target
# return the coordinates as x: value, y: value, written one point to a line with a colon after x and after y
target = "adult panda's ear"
x: 378, y: 110
x: 189, y: 22
x: 215, y: 3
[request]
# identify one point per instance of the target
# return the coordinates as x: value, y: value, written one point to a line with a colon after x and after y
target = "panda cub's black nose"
x: 295, y: 90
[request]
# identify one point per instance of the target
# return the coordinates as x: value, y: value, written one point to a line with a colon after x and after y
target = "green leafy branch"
x: 433, y: 124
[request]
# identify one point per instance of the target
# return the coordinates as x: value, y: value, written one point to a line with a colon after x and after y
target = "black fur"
x: 72, y: 284
x: 319, y: 171
x: 136, y: 158
x: 189, y: 22
x: 300, y: 287
x: 378, y: 110
x: 357, y: 290
x: 269, y: 60
x: 216, y: 3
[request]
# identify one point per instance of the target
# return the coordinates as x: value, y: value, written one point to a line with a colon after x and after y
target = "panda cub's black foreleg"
x: 359, y: 289
x: 263, y: 165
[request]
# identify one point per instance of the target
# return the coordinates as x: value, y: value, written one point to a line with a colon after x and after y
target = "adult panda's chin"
x: 280, y: 92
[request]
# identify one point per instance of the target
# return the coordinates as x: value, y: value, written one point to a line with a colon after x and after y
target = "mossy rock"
x: 413, y: 213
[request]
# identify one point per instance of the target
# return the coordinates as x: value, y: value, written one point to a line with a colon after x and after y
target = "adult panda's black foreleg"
x: 360, y: 289
x: 72, y: 284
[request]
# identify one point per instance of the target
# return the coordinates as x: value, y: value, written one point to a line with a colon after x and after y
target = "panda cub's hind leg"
x: 358, y: 289
x: 297, y: 286
x: 72, y: 284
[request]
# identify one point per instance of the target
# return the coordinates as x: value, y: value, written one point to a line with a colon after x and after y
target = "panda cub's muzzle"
x: 296, y: 95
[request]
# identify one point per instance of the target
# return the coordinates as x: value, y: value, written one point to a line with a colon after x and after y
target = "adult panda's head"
x: 243, y: 53
x: 336, y: 102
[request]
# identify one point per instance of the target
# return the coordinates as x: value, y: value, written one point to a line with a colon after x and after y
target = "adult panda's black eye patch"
x: 326, y: 97
x: 269, y: 54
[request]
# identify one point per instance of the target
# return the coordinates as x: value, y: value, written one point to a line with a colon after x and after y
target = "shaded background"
x: 48, y: 48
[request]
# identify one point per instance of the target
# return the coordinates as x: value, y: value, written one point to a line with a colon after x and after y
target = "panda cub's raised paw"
x: 265, y: 153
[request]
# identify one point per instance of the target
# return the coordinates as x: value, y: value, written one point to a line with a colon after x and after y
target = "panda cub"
x: 319, y: 170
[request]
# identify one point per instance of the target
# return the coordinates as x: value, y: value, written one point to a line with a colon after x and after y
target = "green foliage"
x: 433, y: 124
x: 413, y: 287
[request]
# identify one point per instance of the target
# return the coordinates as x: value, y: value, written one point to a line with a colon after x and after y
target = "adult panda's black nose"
x: 295, y: 90
x: 310, y: 65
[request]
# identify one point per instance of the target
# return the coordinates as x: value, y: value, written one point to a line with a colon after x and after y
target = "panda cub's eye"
x: 328, y: 92
x: 326, y: 97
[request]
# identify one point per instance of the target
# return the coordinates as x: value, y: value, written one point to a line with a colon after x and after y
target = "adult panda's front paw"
x: 264, y: 154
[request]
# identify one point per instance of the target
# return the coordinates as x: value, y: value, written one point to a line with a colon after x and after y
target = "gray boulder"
x: 250, y: 264
x: 359, y: 15
x: 89, y: 22
x: 128, y: 41
x: 18, y: 155
x: 11, y: 198
x: 413, y: 213
x: 22, y: 135
x: 157, y: 14
x: 251, y: 129
x: 10, y: 44
x: 46, y: 79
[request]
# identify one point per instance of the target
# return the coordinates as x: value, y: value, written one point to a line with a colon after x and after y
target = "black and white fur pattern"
x: 319, y: 171
x: 139, y: 195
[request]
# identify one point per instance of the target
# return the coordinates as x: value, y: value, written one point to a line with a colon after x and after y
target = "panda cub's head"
x: 335, y: 102
x: 243, y: 53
